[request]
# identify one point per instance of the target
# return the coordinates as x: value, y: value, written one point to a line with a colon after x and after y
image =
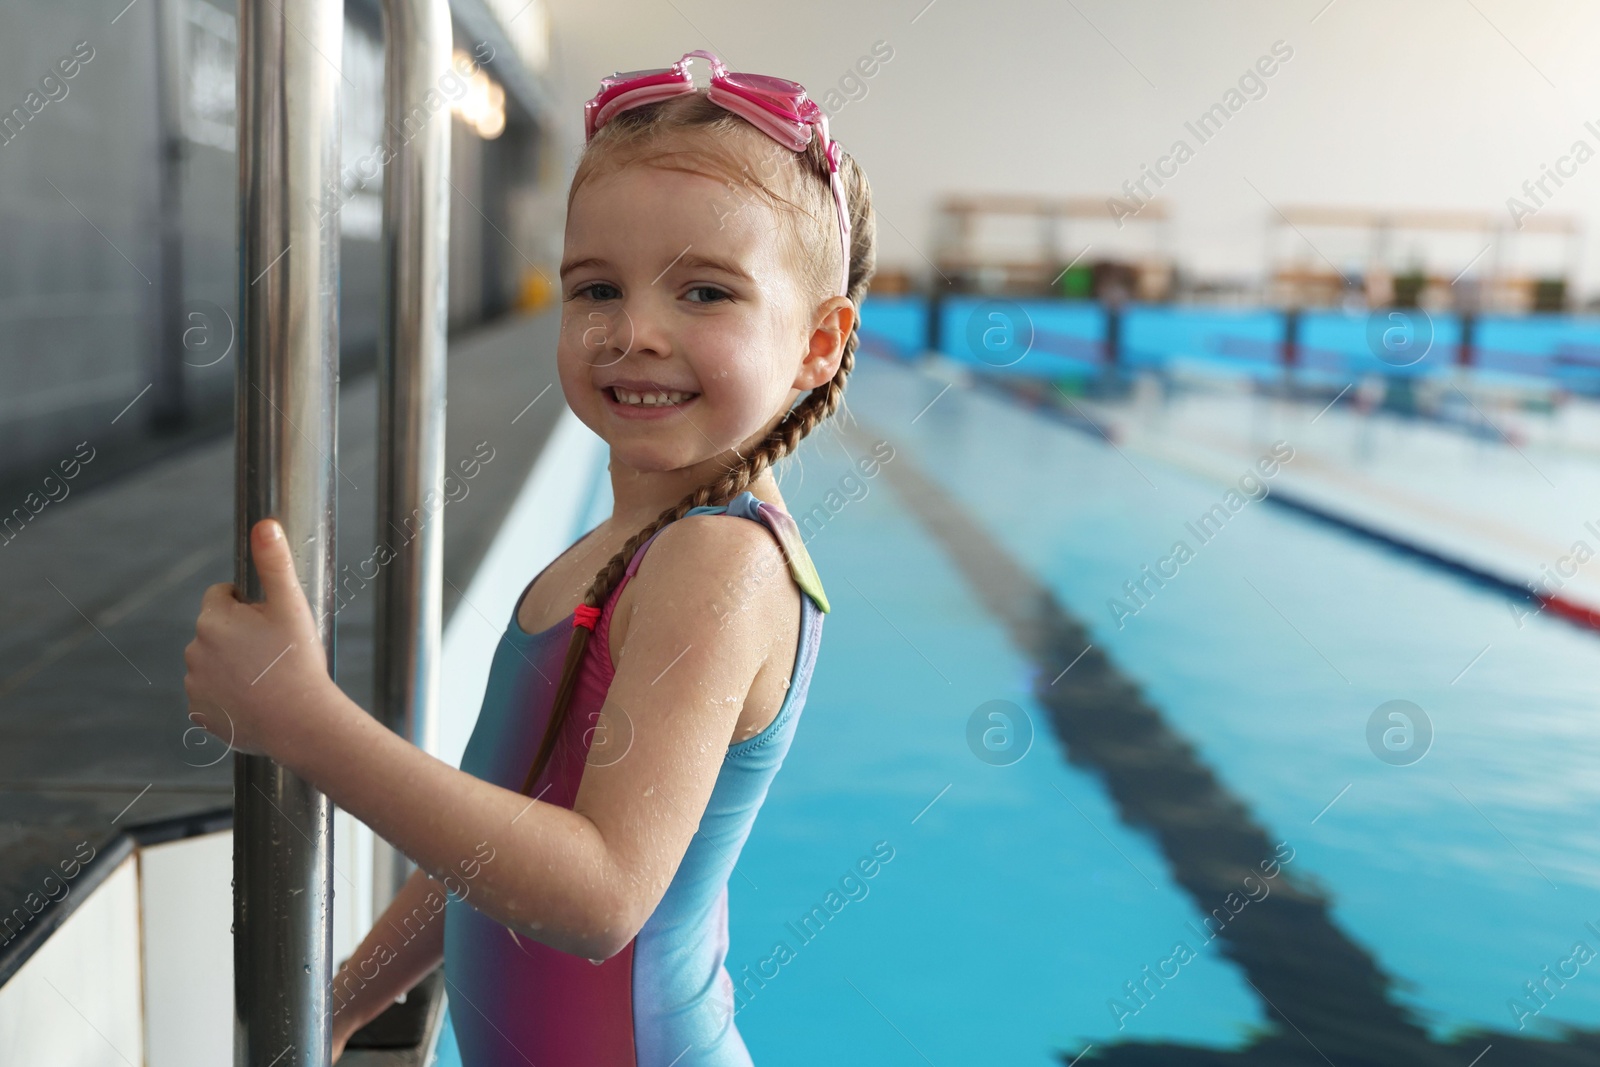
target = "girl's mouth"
x: 633, y: 405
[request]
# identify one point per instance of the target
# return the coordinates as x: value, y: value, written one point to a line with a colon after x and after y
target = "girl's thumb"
x: 274, y: 563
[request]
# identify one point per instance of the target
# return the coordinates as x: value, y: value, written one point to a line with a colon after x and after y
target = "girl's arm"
x: 401, y: 949
x: 582, y: 881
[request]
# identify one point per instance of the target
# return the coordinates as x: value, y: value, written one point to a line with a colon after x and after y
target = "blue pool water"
x: 1017, y: 903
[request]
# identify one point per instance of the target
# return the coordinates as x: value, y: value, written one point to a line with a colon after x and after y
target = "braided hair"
x: 640, y: 135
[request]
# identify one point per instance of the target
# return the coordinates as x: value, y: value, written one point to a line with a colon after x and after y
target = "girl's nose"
x: 639, y: 329
x: 608, y: 336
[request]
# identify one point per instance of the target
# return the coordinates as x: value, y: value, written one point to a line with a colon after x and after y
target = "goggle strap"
x: 779, y: 129
x: 632, y: 98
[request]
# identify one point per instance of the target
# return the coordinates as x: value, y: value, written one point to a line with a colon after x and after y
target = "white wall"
x: 1431, y: 103
x: 76, y: 1002
x: 186, y: 904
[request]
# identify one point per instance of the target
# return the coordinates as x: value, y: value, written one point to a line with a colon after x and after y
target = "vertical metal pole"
x: 1490, y: 291
x: 168, y: 408
x: 1569, y: 300
x: 411, y: 385
x: 286, y: 418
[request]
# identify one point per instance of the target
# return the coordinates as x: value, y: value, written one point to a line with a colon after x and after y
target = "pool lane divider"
x: 1326, y: 995
x: 1039, y: 401
x: 1570, y: 610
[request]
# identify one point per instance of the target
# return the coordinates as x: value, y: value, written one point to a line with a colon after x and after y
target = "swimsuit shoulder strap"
x: 749, y: 506
x: 784, y: 528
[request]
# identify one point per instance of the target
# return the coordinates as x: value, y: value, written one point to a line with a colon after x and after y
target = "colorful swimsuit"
x: 665, y: 999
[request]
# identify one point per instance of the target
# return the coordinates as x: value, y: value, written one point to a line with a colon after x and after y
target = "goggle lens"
x: 629, y: 75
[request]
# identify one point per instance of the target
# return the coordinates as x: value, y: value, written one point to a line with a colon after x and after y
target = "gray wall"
x: 76, y: 314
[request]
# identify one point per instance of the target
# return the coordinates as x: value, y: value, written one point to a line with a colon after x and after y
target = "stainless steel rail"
x: 285, y: 406
x: 411, y: 387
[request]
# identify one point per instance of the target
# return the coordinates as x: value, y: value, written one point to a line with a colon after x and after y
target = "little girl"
x: 573, y: 874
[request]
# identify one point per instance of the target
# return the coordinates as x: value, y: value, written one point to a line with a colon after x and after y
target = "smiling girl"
x: 649, y: 681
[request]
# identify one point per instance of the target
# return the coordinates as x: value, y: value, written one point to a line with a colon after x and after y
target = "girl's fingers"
x: 275, y: 564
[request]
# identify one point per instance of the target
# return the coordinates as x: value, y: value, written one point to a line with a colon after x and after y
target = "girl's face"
x: 674, y: 282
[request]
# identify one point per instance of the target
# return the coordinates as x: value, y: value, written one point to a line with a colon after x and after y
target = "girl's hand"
x: 253, y: 668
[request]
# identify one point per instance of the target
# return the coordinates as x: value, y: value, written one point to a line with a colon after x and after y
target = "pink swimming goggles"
x: 776, y: 106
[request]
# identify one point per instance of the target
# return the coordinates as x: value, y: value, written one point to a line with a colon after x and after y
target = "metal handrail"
x: 286, y: 418
x: 286, y: 410
x: 411, y: 389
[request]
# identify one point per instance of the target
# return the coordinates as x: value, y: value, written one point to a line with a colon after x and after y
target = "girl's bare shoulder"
x: 724, y: 566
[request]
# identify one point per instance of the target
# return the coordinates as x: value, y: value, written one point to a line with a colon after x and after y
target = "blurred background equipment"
x: 1037, y: 245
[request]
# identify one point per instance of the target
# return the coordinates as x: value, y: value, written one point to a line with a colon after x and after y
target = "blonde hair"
x: 692, y: 134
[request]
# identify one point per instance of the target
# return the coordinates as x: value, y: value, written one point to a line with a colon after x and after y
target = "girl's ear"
x: 826, y: 346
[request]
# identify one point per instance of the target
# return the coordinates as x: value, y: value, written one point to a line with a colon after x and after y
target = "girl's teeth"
x: 649, y: 399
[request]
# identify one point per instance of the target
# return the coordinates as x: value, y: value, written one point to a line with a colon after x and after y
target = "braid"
x: 784, y: 438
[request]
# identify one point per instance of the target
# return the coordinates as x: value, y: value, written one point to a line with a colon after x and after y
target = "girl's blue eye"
x: 589, y: 291
x: 706, y: 289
